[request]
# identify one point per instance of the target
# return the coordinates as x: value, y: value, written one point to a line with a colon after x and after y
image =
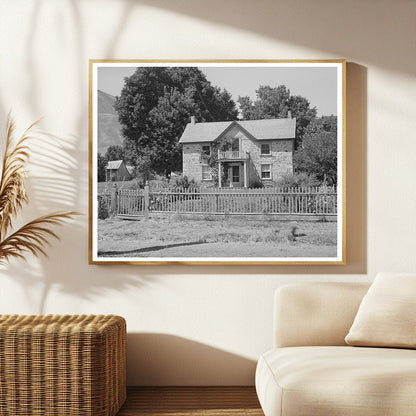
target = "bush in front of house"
x: 103, y: 209
x: 297, y: 180
x: 185, y: 183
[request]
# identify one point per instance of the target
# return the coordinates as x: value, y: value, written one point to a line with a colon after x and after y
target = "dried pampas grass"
x: 34, y: 236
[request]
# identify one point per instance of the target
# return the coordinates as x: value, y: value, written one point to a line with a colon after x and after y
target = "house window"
x: 236, y: 174
x: 235, y: 145
x: 206, y: 150
x: 265, y: 149
x: 266, y: 171
x: 206, y: 173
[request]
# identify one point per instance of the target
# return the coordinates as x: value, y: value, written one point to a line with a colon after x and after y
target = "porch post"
x: 245, y: 174
x: 219, y: 174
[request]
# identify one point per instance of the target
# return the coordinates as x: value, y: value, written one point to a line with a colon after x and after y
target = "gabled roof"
x: 203, y: 132
x: 114, y: 164
x: 268, y: 129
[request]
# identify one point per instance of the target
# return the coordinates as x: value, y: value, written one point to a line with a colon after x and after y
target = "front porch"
x: 236, y: 165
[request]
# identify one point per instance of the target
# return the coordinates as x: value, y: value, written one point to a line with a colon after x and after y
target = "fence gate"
x: 131, y: 202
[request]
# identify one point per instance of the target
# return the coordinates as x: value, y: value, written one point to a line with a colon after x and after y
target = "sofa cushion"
x: 387, y: 314
x: 315, y: 314
x: 341, y: 381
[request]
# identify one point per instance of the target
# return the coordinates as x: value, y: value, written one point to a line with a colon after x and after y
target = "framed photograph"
x: 217, y: 162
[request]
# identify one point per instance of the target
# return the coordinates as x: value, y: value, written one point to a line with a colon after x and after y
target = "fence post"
x: 146, y: 200
x: 114, y: 199
x: 219, y: 170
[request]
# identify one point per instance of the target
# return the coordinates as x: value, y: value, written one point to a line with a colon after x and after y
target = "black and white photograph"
x: 217, y: 162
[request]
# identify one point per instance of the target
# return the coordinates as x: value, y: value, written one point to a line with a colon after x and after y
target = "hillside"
x: 108, y: 128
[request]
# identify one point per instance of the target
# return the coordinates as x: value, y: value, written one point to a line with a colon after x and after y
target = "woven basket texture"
x: 62, y: 365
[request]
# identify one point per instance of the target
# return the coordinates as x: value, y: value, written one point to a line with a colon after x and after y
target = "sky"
x: 317, y: 84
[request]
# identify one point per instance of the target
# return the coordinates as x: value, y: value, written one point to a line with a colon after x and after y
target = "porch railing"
x: 232, y: 155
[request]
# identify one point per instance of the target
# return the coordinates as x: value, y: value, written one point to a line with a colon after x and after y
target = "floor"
x: 187, y: 401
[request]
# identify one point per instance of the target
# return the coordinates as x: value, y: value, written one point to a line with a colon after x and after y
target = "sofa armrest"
x: 309, y: 314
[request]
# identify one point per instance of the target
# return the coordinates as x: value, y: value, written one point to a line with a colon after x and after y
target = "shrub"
x: 298, y: 179
x: 133, y: 184
x: 185, y: 183
x: 257, y: 184
x: 103, y: 208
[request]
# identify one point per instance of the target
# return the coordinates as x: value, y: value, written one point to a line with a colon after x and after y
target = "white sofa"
x: 311, y: 371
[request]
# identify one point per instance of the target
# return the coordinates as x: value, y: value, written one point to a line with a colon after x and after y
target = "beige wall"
x: 201, y: 324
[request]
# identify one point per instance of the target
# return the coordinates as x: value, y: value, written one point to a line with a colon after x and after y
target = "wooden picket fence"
x: 315, y: 201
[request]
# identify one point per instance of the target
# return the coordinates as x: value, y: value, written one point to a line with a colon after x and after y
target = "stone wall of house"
x: 284, y: 159
x: 280, y: 158
x: 192, y: 163
x: 252, y: 173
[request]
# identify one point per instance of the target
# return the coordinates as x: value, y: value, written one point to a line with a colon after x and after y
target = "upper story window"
x: 235, y: 145
x: 265, y: 149
x: 206, y: 150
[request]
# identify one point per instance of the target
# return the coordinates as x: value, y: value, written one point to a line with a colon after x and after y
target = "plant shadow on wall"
x: 51, y: 186
x: 311, y: 25
x: 58, y: 179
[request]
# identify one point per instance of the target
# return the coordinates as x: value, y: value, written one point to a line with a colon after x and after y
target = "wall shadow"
x: 338, y: 28
x: 58, y: 181
x: 356, y: 167
x: 339, y: 18
x: 66, y: 189
x: 169, y: 360
x: 53, y: 187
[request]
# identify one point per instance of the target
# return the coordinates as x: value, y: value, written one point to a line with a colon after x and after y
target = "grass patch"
x: 176, y: 229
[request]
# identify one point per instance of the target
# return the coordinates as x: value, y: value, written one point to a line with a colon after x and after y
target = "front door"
x: 235, y: 176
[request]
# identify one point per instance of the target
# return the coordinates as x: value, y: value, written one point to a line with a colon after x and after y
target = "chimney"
x: 192, y: 119
x: 289, y: 114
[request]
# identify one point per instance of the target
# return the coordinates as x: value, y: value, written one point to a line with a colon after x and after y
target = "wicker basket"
x: 72, y: 365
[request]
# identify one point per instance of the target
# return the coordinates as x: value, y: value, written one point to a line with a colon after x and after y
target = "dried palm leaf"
x: 12, y: 183
x: 33, y: 237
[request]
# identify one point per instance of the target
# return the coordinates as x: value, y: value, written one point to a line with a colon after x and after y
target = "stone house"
x: 255, y: 150
x: 116, y: 170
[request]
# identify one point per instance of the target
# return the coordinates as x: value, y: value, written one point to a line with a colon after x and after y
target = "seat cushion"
x: 341, y: 381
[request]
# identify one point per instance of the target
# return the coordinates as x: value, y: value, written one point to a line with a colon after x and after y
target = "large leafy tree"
x: 318, y: 155
x: 270, y: 103
x: 276, y: 102
x: 156, y: 104
x: 114, y: 152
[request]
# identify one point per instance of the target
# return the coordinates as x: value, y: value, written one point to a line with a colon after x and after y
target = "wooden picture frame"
x: 217, y: 162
